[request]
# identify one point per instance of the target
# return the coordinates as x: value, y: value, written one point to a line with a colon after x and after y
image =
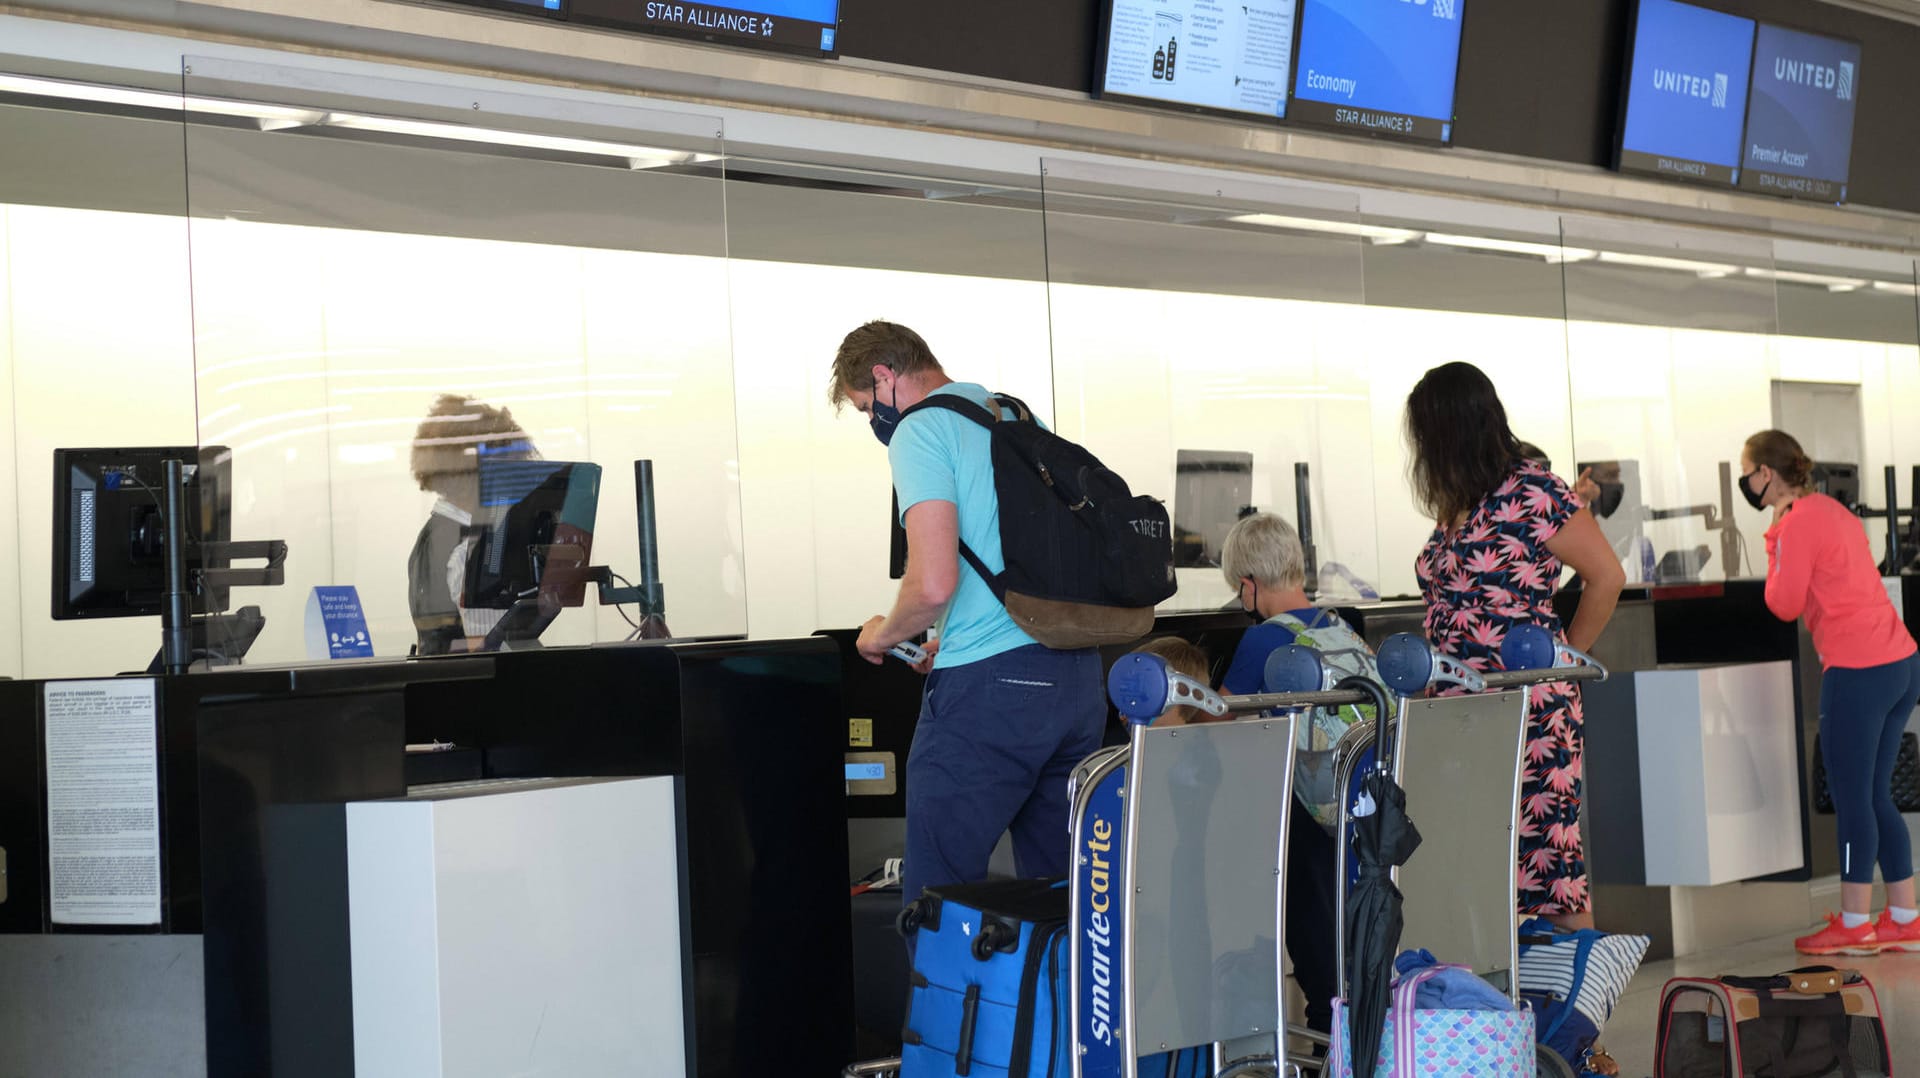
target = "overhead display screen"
x: 790, y: 25
x: 1384, y: 67
x: 1800, y: 116
x: 1206, y: 55
x: 1686, y: 92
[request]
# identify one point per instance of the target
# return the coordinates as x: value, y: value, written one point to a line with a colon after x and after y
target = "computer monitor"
x: 1838, y: 481
x: 1210, y: 488
x: 110, y: 534
x: 534, y: 534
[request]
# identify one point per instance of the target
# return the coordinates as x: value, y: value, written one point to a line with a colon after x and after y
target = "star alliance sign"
x: 705, y: 18
x: 1674, y: 82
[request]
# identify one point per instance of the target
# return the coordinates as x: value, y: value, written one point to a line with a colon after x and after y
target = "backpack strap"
x: 1002, y: 406
x: 999, y: 406
x: 1286, y: 620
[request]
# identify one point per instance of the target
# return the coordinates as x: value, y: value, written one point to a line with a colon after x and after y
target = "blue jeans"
x: 996, y: 743
x: 1862, y: 715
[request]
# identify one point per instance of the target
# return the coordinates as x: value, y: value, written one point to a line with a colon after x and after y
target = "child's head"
x: 1186, y: 659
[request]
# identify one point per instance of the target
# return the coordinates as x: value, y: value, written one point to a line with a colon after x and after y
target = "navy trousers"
x: 1862, y: 715
x: 996, y: 743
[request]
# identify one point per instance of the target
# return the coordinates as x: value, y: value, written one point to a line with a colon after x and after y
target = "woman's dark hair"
x: 1462, y: 446
x: 1781, y: 451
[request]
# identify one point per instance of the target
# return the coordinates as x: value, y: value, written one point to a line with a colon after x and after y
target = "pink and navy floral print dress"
x: 1490, y: 574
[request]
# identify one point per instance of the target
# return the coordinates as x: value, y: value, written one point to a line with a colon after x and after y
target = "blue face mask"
x: 883, y: 418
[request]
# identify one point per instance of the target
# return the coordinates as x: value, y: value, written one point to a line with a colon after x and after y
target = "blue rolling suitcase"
x: 989, y: 985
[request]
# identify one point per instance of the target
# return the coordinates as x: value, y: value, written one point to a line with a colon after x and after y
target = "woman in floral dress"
x: 1504, y: 527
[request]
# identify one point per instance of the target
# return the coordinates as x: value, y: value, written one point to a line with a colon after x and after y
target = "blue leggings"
x: 1862, y: 715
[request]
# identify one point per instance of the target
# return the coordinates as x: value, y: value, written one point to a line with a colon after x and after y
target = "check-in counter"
x: 260, y: 772
x: 1715, y: 796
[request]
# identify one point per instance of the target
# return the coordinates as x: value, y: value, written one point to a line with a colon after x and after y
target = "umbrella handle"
x: 1381, y: 711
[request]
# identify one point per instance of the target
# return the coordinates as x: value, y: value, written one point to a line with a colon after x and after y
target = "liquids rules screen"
x: 1207, y: 55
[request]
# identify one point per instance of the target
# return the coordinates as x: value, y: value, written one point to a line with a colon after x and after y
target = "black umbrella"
x: 1381, y: 840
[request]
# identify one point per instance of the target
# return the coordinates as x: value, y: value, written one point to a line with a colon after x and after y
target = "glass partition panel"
x: 1848, y: 379
x: 437, y: 325
x: 1671, y: 351
x: 95, y: 343
x: 1204, y: 343
x: 817, y: 250
x: 1472, y: 283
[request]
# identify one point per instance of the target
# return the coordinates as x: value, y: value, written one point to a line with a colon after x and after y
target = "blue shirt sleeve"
x: 1248, y: 674
x: 922, y: 463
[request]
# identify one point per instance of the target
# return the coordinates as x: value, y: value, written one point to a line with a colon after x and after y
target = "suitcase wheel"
x: 995, y: 936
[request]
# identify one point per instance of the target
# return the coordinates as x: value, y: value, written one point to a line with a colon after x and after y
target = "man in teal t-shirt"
x: 1004, y: 720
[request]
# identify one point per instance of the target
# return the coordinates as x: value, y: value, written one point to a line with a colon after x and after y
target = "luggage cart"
x: 1126, y: 808
x: 1150, y: 1004
x: 1460, y: 889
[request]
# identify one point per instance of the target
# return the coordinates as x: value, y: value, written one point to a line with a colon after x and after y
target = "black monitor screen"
x: 109, y: 527
x: 533, y: 534
x: 1210, y: 489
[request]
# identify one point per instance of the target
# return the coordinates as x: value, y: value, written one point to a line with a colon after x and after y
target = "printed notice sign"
x: 336, y: 624
x: 103, y: 802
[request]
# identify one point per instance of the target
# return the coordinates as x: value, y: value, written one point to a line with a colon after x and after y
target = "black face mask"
x: 1758, y: 501
x: 1609, y: 499
x: 882, y: 417
x: 1255, y: 612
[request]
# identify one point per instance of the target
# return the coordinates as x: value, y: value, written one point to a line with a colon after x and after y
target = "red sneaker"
x: 1836, y: 938
x: 1897, y: 937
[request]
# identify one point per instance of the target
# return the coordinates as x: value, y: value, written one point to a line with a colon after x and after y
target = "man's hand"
x: 873, y: 647
x: 869, y: 645
x: 925, y: 666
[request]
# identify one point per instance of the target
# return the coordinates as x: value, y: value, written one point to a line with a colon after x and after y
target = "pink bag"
x: 1441, y: 1044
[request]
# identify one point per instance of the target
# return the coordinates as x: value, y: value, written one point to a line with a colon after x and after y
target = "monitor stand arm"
x: 177, y: 622
x: 272, y: 574
x: 1718, y: 518
x: 650, y: 596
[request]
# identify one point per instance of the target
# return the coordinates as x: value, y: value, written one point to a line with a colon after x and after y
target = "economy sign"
x: 1385, y: 67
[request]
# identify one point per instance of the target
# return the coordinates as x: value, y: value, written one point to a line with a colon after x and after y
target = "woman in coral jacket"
x: 1820, y: 568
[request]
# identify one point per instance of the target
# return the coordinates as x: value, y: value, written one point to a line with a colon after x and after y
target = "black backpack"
x: 1087, y: 559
